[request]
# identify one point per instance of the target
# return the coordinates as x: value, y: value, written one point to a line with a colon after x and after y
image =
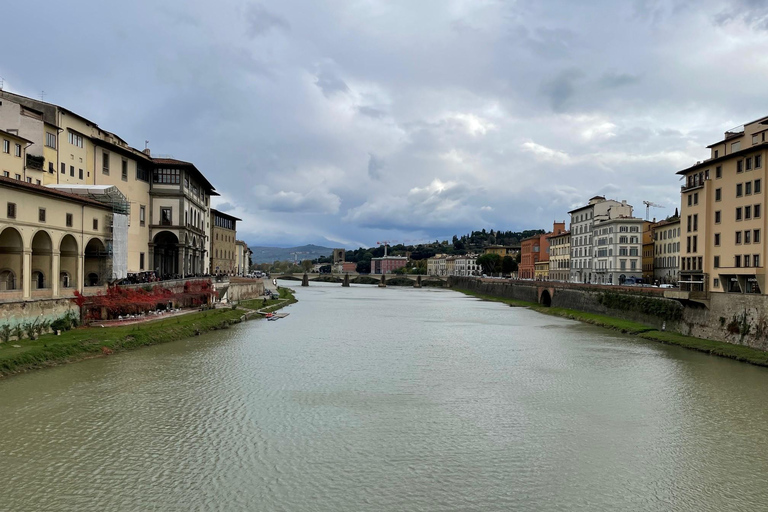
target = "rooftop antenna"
x: 146, y: 144
x: 42, y: 95
x: 2, y: 83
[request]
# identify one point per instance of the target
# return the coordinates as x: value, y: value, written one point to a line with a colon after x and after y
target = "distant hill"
x: 304, y: 252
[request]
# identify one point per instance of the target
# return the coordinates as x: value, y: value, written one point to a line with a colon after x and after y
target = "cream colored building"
x: 666, y: 244
x: 223, y: 248
x: 466, y: 265
x: 51, y: 242
x: 243, y: 252
x: 722, y: 221
x: 450, y: 266
x: 13, y: 155
x: 436, y: 265
x: 541, y: 270
x: 559, y: 257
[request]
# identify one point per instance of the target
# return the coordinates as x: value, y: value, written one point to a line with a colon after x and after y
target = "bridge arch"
x: 545, y: 298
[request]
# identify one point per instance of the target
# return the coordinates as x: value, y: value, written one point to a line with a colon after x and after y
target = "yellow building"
x: 560, y: 256
x: 541, y: 271
x: 723, y: 243
x: 648, y: 250
x: 13, y: 155
x: 51, y: 242
x: 502, y: 250
x: 223, y: 238
x: 666, y: 236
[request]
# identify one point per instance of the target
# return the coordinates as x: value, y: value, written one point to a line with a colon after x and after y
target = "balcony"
x: 694, y: 186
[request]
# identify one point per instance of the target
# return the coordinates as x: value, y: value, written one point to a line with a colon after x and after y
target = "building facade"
x: 387, y: 264
x: 223, y: 247
x: 560, y: 257
x: 243, y: 258
x: 466, y: 265
x: 436, y: 265
x: 51, y: 243
x: 618, y: 250
x: 648, y: 251
x: 666, y: 242
x: 722, y: 223
x: 582, y: 221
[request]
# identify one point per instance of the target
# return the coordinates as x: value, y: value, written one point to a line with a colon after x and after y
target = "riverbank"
x: 88, y: 342
x: 715, y: 348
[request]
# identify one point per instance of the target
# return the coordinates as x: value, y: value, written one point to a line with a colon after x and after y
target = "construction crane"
x: 648, y: 206
x: 385, y: 243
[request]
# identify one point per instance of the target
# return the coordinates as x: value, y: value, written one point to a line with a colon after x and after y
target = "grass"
x: 88, y: 342
x: 716, y: 348
x: 286, y: 297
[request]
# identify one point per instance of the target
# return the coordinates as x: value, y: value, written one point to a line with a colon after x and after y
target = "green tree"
x: 491, y: 263
x: 508, y: 265
x: 306, y: 265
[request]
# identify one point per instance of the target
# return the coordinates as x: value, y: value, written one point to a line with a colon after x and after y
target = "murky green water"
x: 390, y: 399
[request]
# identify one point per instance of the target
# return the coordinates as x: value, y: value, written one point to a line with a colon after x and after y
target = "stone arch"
x: 11, y: 259
x: 545, y: 298
x: 95, y: 262
x: 166, y: 253
x: 68, y: 267
x: 42, y: 260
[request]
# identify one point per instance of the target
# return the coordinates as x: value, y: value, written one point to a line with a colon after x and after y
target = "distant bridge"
x: 416, y: 278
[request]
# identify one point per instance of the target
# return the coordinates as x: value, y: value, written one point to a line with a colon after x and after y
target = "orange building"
x: 536, y: 249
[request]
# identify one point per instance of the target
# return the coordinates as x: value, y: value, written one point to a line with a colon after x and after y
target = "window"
x: 75, y: 139
x: 6, y: 174
x: 758, y: 184
x: 63, y: 168
x: 716, y: 283
x: 696, y: 222
x: 95, y: 224
x: 141, y: 172
x: 695, y: 198
x: 166, y: 216
x: 748, y: 188
x: 105, y: 162
x: 717, y: 239
x: 756, y: 260
x: 695, y: 244
x: 50, y: 140
x: 6, y: 146
x: 756, y: 236
x: 41, y: 214
x: 737, y: 261
x: 69, y: 220
x: 72, y: 170
x: 166, y: 176
x: 718, y: 194
x: 50, y: 168
x: 688, y: 244
x: 29, y: 180
x: 754, y: 139
x: 748, y: 237
x: 738, y: 237
x: 748, y: 163
x: 718, y: 171
x: 735, y: 146
x: 18, y: 176
x: 689, y: 223
x: 38, y: 182
x: 759, y: 162
x: 738, y: 213
x: 747, y: 212
x: 17, y: 150
x: 80, y: 173
x: 125, y: 171
x: 141, y: 261
x: 740, y: 166
x: 746, y: 260
x: 690, y: 199
x: 11, y: 211
x: 717, y: 262
x: 739, y: 190
x: 142, y: 215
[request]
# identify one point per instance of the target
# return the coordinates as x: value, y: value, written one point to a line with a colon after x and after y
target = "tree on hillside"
x: 306, y: 265
x: 491, y: 263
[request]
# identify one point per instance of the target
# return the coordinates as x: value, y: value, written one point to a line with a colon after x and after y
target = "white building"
x: 618, y: 250
x: 467, y: 266
x: 582, y: 222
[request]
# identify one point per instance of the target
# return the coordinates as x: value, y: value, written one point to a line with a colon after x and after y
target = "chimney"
x: 146, y: 152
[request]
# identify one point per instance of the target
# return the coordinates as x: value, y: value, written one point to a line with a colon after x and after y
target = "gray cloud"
x: 291, y: 107
x: 375, y: 165
x: 260, y: 20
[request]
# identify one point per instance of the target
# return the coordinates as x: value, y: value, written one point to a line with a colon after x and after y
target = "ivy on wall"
x: 666, y: 310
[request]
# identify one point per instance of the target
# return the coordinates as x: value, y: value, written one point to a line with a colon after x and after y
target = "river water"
x: 389, y: 399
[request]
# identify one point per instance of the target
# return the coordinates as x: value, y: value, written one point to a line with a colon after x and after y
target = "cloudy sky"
x: 347, y: 122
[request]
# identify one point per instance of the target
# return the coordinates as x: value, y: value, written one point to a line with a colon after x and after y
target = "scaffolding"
x: 114, y: 261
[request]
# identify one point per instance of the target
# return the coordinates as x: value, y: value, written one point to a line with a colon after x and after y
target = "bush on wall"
x: 666, y: 310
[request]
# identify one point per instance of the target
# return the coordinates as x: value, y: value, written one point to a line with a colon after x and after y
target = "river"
x: 369, y: 399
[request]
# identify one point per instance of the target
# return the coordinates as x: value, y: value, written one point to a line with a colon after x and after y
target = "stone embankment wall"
x: 20, y: 313
x: 644, y: 305
x: 244, y: 289
x: 733, y: 318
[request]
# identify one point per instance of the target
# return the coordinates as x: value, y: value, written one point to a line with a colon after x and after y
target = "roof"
x: 9, y: 134
x: 182, y: 163
x: 27, y: 101
x: 707, y: 163
x: 46, y: 191
x: 564, y: 233
x: 224, y: 215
